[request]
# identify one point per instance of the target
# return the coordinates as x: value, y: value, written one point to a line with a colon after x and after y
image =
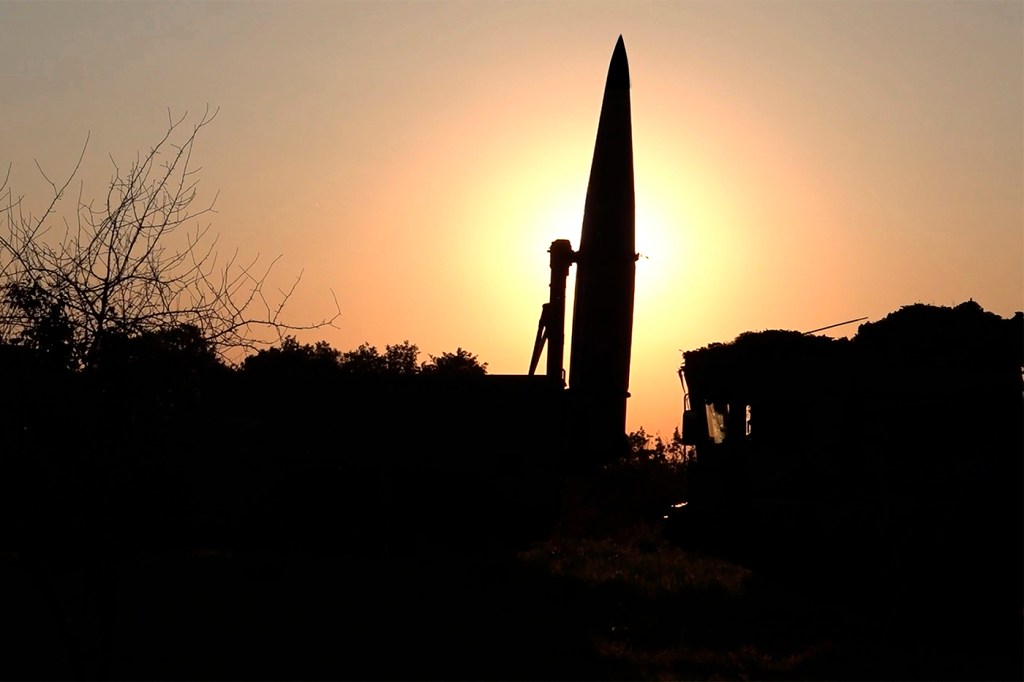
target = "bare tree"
x: 132, y: 263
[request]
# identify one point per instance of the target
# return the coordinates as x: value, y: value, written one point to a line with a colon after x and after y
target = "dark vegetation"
x: 165, y: 515
x: 168, y: 516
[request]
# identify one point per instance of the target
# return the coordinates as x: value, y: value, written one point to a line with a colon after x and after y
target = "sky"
x: 797, y: 164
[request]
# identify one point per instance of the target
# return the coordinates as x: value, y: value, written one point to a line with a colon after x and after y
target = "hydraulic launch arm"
x: 551, y: 327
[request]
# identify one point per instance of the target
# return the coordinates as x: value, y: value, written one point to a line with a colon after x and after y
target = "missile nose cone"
x: 618, y: 70
x: 606, y: 272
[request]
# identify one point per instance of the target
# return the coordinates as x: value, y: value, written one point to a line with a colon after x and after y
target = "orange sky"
x: 797, y: 163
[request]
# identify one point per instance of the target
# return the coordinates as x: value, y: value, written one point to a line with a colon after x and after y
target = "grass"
x: 656, y: 612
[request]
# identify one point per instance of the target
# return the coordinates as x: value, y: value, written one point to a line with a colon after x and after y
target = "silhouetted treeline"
x: 157, y: 441
x: 291, y: 358
x: 373, y: 463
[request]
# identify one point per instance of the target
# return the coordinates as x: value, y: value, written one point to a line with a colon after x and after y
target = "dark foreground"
x: 591, y: 601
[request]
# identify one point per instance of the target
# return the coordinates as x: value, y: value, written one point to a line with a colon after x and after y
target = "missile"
x: 606, y: 270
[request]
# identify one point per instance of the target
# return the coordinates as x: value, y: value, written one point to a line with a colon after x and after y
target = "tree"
x: 154, y: 375
x: 643, y: 447
x: 293, y: 359
x: 399, y: 358
x: 131, y: 263
x: 365, y: 359
x: 402, y: 358
x: 459, y: 363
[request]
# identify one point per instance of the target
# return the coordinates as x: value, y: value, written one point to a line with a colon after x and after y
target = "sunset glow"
x: 796, y: 163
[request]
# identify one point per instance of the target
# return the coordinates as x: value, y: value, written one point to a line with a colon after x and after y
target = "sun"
x: 659, y: 246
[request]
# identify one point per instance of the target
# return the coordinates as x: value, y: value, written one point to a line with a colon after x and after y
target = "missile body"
x: 605, y: 275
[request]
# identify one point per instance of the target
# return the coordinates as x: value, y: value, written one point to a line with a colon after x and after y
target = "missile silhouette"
x: 605, y: 274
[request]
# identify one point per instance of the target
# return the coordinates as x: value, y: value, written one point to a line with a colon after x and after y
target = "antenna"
x: 837, y: 324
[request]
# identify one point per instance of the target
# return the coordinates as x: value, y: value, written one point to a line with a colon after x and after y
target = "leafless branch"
x: 116, y: 270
